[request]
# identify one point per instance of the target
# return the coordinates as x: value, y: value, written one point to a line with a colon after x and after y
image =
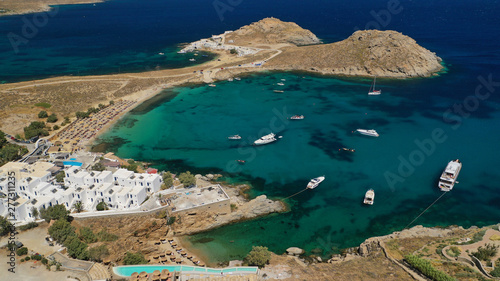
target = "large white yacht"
x: 449, y: 175
x: 315, y: 182
x: 371, y: 133
x: 265, y: 139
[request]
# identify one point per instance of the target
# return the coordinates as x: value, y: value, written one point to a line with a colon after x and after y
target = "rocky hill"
x: 271, y: 31
x: 364, y: 53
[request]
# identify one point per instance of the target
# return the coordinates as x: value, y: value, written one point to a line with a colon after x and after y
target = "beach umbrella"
x: 165, y: 271
x: 183, y: 252
x: 156, y: 272
x: 169, y: 253
x: 155, y: 278
x: 134, y: 275
x: 143, y: 274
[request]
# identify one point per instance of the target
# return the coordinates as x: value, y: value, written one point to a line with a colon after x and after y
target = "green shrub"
x: 22, y: 251
x: 171, y: 221
x: 495, y: 272
x: 55, y: 212
x: 187, y: 179
x: 485, y: 253
x: 36, y: 257
x: 101, y: 206
x: 43, y: 114
x: 168, y: 179
x: 134, y: 258
x: 258, y: 256
x: 97, y: 253
x: 427, y: 269
x: 56, y: 127
x: 105, y: 236
x: 52, y: 118
x: 27, y: 258
x: 87, y: 235
x: 45, y: 261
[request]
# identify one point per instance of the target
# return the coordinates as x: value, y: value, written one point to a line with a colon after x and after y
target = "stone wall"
x: 220, y: 207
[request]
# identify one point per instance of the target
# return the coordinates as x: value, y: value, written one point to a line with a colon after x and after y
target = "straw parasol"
x: 183, y: 253
x: 155, y: 278
x: 168, y: 253
x: 166, y: 271
x: 173, y: 244
x: 170, y: 239
x: 162, y: 255
x: 145, y: 278
x: 156, y: 256
x: 178, y: 249
x: 134, y: 275
x: 143, y: 274
x: 156, y: 272
x: 189, y: 257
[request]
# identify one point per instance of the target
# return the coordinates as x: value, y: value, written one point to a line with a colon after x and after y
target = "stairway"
x: 99, y: 272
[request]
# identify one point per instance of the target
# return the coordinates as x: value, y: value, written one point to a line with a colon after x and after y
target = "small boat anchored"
x: 449, y: 176
x: 266, y: 139
x: 371, y: 133
x: 315, y: 182
x: 212, y: 85
x: 237, y: 78
x: 369, y: 197
x: 161, y: 54
x: 230, y: 79
x: 348, y: 149
x: 241, y: 161
x: 297, y: 117
x: 281, y: 84
x: 234, y: 137
x: 279, y: 91
x: 372, y: 91
x: 192, y: 59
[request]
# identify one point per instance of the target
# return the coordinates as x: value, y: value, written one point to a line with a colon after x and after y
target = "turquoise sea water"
x: 128, y: 270
x: 187, y: 128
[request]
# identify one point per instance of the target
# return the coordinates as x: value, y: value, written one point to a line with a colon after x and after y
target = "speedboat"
x: 192, y: 60
x: 371, y: 133
x: 315, y: 182
x: 266, y: 139
x: 279, y: 91
x: 283, y: 79
x: 237, y: 78
x: 161, y: 54
x: 241, y: 161
x: 449, y: 176
x: 297, y: 117
x: 212, y: 85
x: 348, y: 149
x: 369, y: 197
x: 230, y: 79
x: 281, y: 84
x: 234, y: 137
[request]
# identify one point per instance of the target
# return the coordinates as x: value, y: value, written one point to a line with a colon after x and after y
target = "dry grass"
x: 13, y: 7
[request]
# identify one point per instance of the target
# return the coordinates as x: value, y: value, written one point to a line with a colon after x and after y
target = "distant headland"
x: 269, y: 44
x: 17, y: 7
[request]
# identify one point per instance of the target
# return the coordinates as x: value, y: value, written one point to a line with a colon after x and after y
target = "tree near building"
x: 101, y: 206
x: 61, y: 230
x: 60, y: 176
x: 187, y: 179
x: 5, y: 226
x: 56, y: 212
x: 78, y: 206
x: 168, y: 179
x: 76, y: 248
x: 258, y: 256
x: 34, y: 212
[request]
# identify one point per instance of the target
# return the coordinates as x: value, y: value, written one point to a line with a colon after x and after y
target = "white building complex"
x: 36, y: 187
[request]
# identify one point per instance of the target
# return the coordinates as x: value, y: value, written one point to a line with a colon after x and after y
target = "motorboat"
x: 315, y: 182
x: 234, y: 137
x: 369, y: 197
x: 449, y: 176
x: 371, y: 133
x: 266, y: 139
x: 297, y: 117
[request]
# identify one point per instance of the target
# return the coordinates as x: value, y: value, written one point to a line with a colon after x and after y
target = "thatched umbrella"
x: 189, y: 257
x: 168, y: 253
x: 183, y: 253
x: 173, y: 244
x: 134, y: 275
x: 165, y: 259
x: 162, y: 255
x: 201, y: 264
x: 155, y: 278
x: 178, y: 249
x: 156, y: 272
x: 164, y: 276
x: 156, y: 256
x: 170, y: 239
x: 143, y: 274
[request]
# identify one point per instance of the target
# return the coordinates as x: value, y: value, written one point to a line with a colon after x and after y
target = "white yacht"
x: 279, y: 91
x: 281, y: 84
x: 369, y: 197
x: 449, y: 175
x: 237, y: 78
x: 212, y: 85
x: 161, y: 54
x: 315, y: 182
x: 234, y: 137
x: 266, y: 139
x: 372, y: 91
x: 192, y: 60
x: 371, y: 133
x: 297, y: 117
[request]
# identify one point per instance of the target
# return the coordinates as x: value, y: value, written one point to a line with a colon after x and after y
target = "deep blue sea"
x: 423, y: 123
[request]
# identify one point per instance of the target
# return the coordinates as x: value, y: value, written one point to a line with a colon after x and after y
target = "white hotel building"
x: 36, y: 187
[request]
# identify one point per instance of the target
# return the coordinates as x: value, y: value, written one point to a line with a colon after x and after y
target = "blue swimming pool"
x: 72, y: 158
x: 127, y: 270
x: 72, y: 163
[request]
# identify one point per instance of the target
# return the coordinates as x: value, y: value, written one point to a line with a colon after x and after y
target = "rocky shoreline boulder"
x: 294, y: 251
